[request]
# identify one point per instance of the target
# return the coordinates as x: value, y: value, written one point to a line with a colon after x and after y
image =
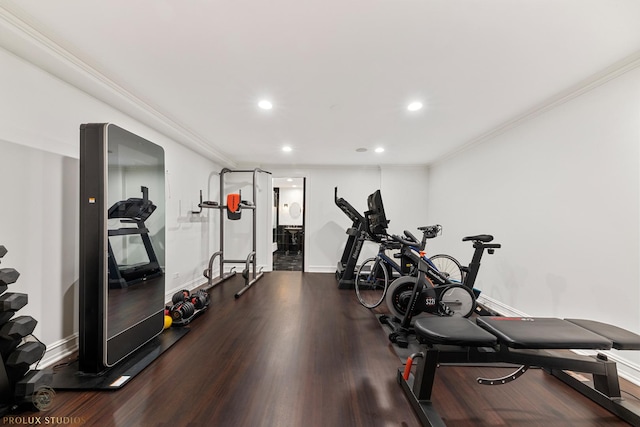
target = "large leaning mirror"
x: 122, y: 244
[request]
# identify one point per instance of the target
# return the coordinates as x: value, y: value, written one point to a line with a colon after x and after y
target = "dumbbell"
x: 22, y: 358
x: 9, y: 304
x: 8, y: 276
x: 182, y: 307
x: 182, y: 311
x: 200, y: 299
x: 32, y: 382
x: 185, y: 304
x: 21, y: 326
x: 12, y: 333
x: 180, y: 296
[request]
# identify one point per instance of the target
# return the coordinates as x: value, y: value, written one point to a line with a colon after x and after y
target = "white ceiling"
x: 339, y: 72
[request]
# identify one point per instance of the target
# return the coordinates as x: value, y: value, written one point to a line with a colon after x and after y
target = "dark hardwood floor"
x: 296, y: 351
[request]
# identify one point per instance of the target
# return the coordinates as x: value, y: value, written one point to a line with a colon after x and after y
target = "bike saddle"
x: 486, y: 238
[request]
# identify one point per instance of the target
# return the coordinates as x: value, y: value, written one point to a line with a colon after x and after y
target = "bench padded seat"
x: 622, y: 338
x: 458, y: 331
x: 542, y: 333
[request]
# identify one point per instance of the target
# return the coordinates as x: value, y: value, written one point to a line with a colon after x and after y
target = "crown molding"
x: 20, y: 35
x: 615, y: 70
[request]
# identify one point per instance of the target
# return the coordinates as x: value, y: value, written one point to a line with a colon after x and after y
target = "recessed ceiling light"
x: 414, y: 106
x: 286, y: 148
x: 289, y: 180
x: 265, y: 105
x: 379, y: 150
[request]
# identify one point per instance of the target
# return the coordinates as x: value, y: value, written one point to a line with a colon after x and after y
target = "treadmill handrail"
x: 346, y: 207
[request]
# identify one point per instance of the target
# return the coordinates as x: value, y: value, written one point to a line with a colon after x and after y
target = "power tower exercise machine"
x: 234, y: 207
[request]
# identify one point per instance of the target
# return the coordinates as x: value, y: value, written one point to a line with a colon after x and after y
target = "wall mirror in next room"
x: 288, y: 223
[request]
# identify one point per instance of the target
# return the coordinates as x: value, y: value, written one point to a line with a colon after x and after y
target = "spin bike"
x: 375, y: 274
x: 431, y: 291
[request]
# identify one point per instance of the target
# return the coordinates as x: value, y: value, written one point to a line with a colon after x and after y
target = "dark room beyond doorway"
x: 288, y: 224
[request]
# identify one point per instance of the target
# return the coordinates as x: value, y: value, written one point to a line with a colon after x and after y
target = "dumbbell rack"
x: 18, y: 383
x: 187, y: 306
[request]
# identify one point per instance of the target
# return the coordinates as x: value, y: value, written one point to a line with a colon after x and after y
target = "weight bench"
x: 523, y: 341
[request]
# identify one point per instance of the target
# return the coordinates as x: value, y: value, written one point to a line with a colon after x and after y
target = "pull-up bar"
x: 234, y: 207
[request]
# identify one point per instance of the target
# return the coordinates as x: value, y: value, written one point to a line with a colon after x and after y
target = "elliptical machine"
x: 431, y: 291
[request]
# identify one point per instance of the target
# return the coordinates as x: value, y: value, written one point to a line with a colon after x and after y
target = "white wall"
x: 403, y: 191
x: 561, y: 193
x: 326, y: 224
x: 40, y: 118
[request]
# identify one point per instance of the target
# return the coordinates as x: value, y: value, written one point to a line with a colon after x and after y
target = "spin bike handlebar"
x: 428, y: 232
x: 411, y: 237
x: 404, y: 242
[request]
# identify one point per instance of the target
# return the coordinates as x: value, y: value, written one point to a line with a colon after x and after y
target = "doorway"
x: 288, y: 223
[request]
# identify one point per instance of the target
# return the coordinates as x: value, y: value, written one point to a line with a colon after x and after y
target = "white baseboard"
x: 58, y: 351
x: 499, y: 307
x: 627, y: 369
x: 192, y: 284
x: 321, y: 269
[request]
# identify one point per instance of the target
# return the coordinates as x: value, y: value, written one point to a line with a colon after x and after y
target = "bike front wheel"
x: 372, y: 281
x: 449, y: 266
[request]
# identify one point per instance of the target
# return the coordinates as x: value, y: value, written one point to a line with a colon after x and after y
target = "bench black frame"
x: 605, y: 390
